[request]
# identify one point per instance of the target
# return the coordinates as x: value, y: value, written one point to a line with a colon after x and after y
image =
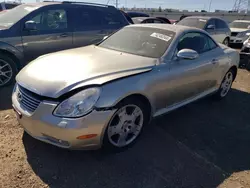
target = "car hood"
x: 55, y: 74
x: 4, y: 32
x: 238, y: 29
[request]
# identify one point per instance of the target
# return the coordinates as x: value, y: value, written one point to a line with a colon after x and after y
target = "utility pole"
x: 210, y: 5
x: 116, y: 3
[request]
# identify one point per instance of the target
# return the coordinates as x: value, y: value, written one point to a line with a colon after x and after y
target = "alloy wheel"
x: 5, y: 72
x: 226, y: 84
x: 226, y: 42
x: 125, y: 125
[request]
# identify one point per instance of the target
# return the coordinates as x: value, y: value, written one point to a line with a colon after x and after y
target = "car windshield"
x: 193, y: 22
x: 10, y: 17
x: 242, y: 25
x: 143, y: 41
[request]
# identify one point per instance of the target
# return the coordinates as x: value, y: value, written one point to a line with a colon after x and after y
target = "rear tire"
x: 126, y: 125
x: 8, y: 70
x: 226, y: 42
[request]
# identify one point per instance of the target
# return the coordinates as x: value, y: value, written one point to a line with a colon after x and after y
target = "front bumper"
x: 244, y: 56
x: 63, y: 132
x: 245, y: 50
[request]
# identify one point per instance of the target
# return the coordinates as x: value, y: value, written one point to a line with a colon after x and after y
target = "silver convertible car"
x: 104, y: 94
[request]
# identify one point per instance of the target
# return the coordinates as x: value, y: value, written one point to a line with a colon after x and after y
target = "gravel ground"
x: 202, y: 145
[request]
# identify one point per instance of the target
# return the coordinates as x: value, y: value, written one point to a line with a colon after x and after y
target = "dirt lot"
x: 205, y: 144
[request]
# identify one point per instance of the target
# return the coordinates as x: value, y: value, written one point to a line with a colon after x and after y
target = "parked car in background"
x: 127, y: 17
x: 164, y: 19
x: 216, y: 27
x: 181, y: 18
x: 104, y: 94
x: 239, y: 31
x: 245, y: 54
x: 8, y: 5
x: 173, y: 21
x: 137, y: 14
x: 31, y: 30
x: 142, y: 20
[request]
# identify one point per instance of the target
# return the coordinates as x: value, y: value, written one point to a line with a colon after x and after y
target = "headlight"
x: 246, y: 43
x: 243, y: 34
x: 14, y: 89
x: 79, y: 104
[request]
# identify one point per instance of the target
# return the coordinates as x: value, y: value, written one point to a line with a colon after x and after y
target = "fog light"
x: 87, y: 136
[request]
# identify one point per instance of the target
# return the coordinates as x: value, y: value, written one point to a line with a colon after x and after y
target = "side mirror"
x: 187, y: 54
x: 30, y: 25
x: 210, y: 27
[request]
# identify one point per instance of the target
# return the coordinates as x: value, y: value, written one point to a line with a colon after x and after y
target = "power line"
x: 241, y: 5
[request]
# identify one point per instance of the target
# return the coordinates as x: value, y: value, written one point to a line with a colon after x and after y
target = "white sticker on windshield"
x: 201, y: 20
x: 30, y: 8
x: 160, y: 36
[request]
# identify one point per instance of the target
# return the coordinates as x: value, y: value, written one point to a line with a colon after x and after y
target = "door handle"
x: 214, y: 61
x: 64, y: 35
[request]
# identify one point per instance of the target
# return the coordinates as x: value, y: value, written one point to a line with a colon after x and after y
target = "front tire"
x: 226, y: 85
x: 8, y: 70
x: 126, y: 124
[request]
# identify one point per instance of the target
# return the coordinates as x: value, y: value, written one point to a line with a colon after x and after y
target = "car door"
x: 221, y: 30
x: 53, y: 32
x: 94, y: 23
x: 87, y: 27
x: 112, y: 20
x: 211, y: 28
x: 191, y: 78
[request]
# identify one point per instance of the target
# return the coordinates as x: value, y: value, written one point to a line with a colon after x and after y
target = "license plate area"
x: 55, y: 140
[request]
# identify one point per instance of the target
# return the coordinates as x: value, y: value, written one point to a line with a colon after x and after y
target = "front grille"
x: 27, y: 99
x: 234, y: 34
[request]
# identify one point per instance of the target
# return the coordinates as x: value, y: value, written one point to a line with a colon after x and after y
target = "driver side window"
x: 55, y: 19
x: 196, y: 41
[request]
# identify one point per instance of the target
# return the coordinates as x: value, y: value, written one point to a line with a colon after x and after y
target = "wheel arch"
x: 138, y: 96
x: 132, y: 97
x: 235, y: 70
x: 12, y: 56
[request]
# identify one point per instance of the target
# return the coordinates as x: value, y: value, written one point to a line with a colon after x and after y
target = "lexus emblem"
x: 19, y: 97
